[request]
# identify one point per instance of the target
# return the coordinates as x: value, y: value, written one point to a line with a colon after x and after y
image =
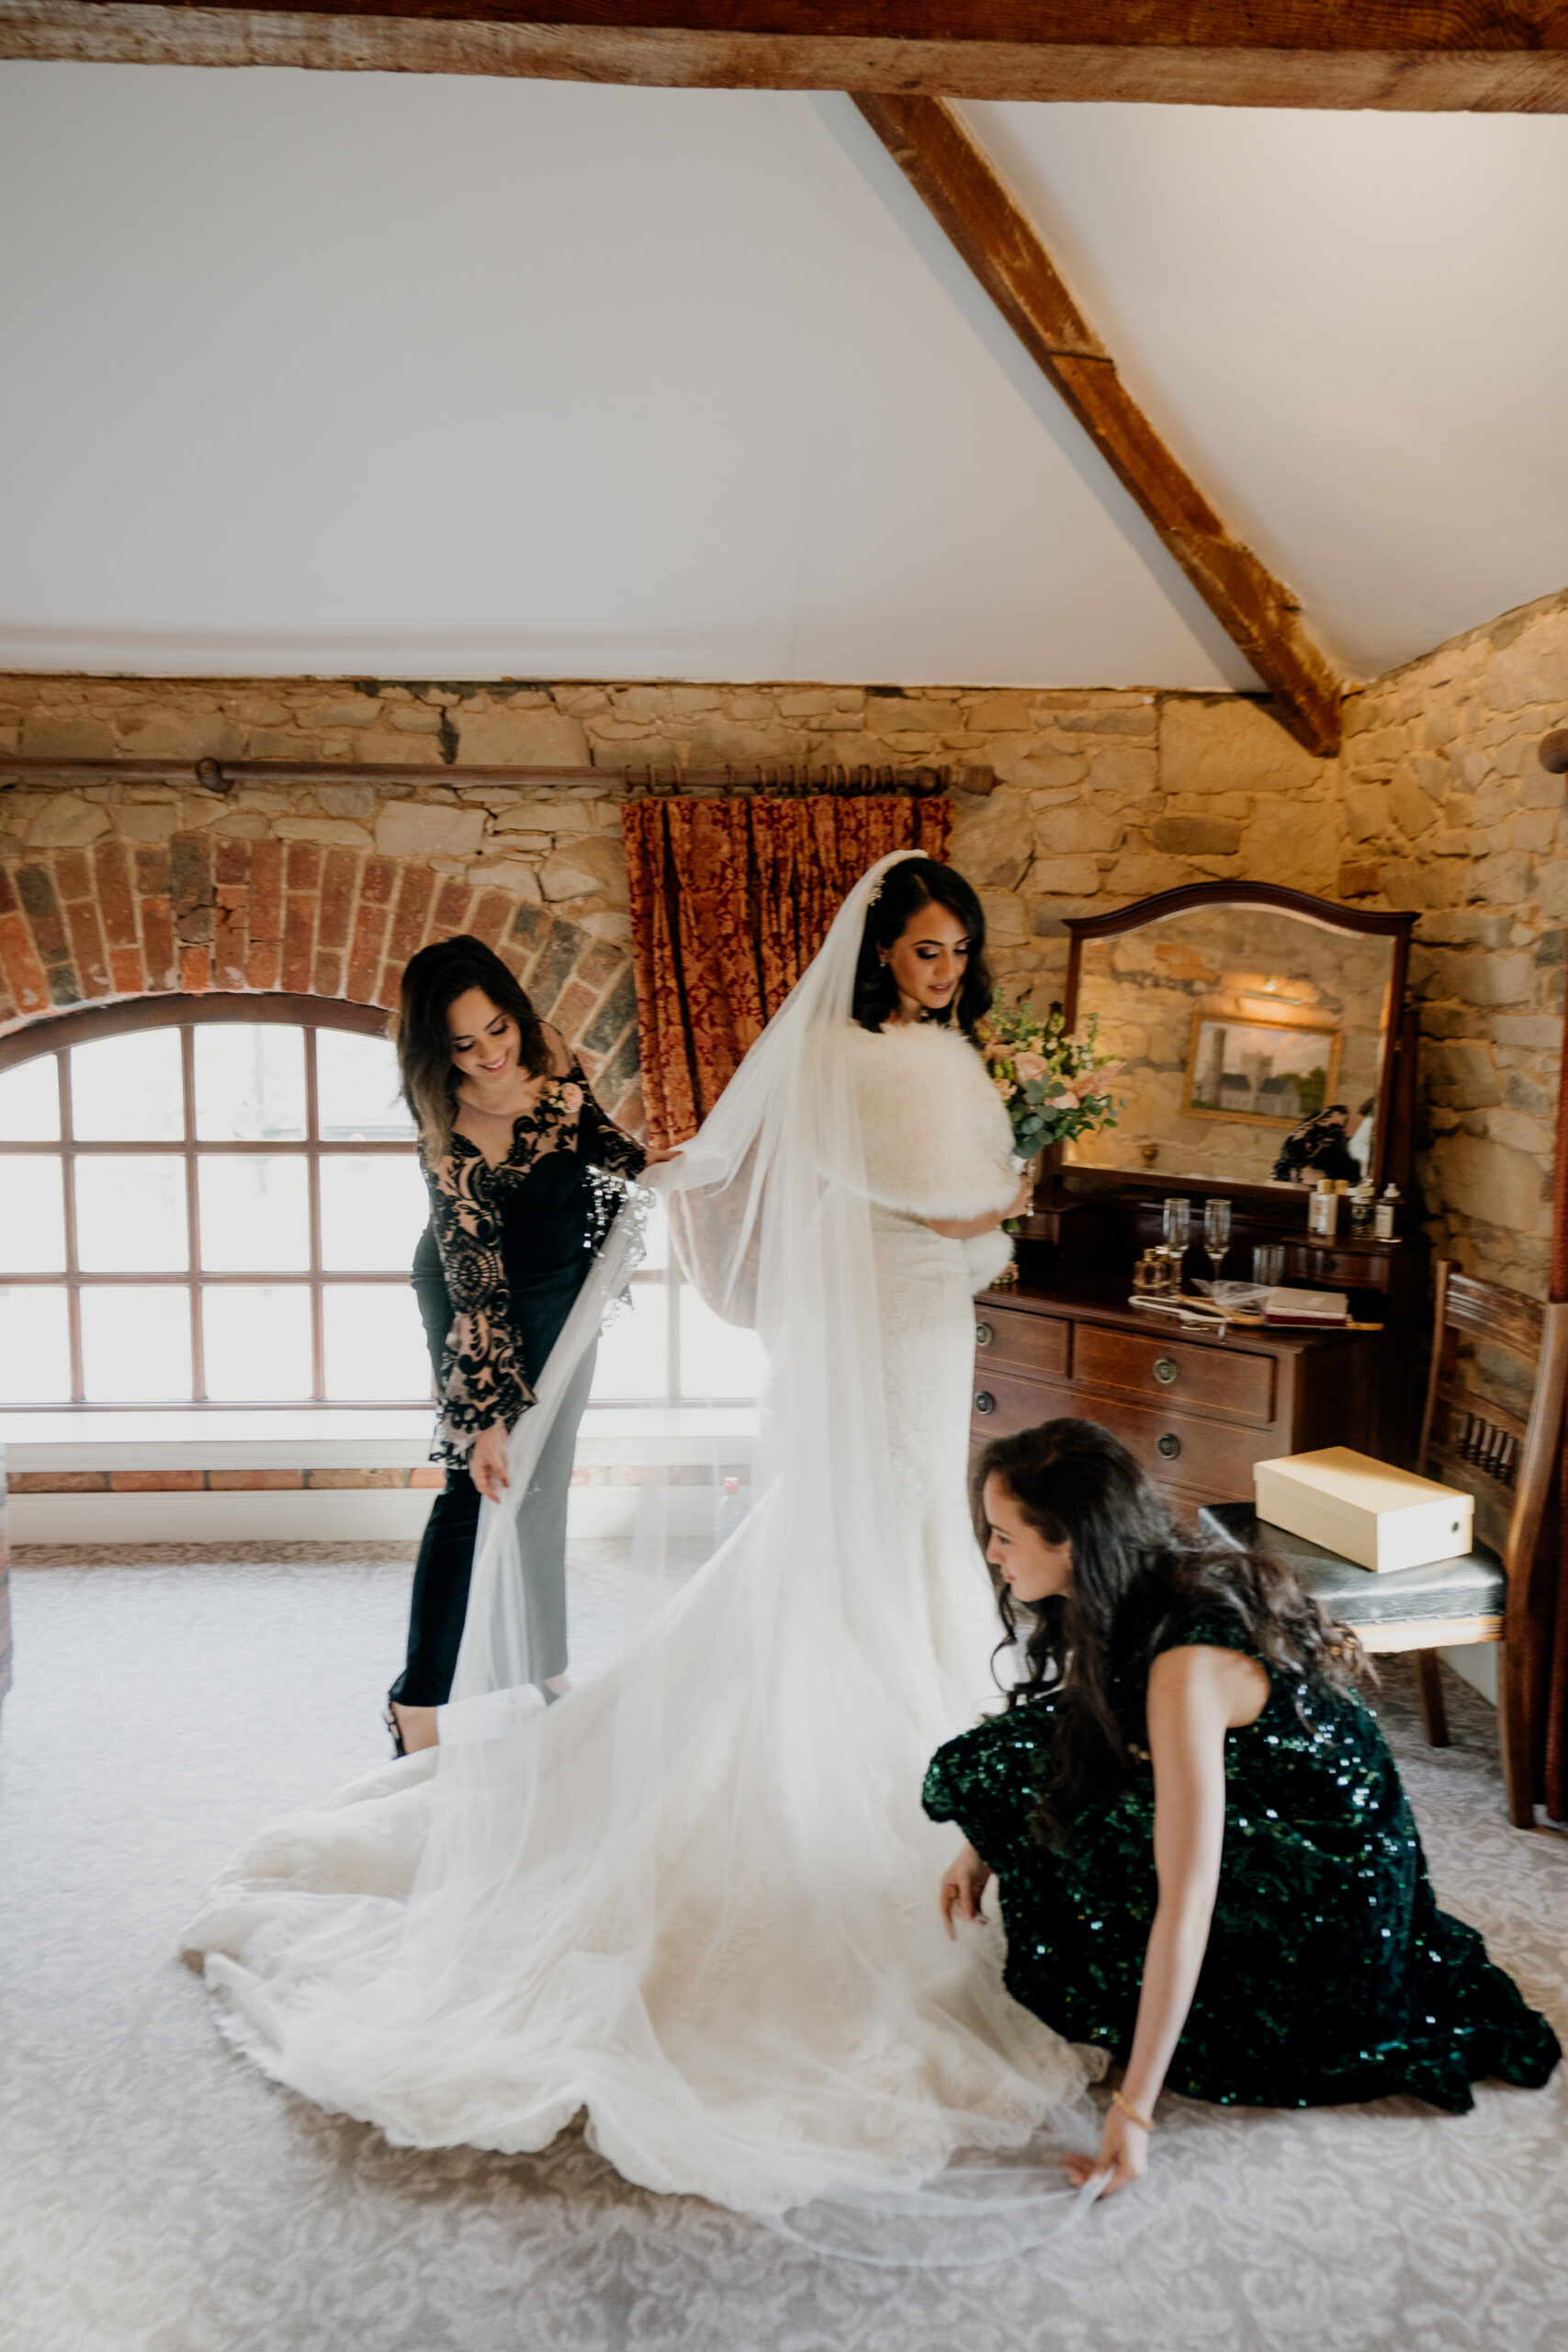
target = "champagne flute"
x: 1177, y: 1216
x: 1216, y: 1233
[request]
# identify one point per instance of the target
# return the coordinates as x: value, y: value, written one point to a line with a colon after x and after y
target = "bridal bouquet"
x: 1051, y: 1079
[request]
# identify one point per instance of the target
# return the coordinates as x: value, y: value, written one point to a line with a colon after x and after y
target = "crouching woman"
x: 1205, y: 1862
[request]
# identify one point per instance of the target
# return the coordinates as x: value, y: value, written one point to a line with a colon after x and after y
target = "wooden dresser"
x: 1196, y: 1412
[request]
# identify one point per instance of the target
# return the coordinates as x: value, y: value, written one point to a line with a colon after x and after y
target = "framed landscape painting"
x: 1271, y: 1073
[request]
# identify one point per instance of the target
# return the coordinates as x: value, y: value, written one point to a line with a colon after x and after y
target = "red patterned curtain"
x: 730, y: 899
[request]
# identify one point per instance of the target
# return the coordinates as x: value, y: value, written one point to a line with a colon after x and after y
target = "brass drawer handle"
x: 1170, y: 1445
x: 1165, y: 1370
x: 984, y: 1335
x: 984, y: 1402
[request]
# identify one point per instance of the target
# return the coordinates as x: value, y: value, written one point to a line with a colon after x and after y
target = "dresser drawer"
x: 1205, y: 1459
x: 1345, y: 1270
x: 1235, y: 1386
x: 1008, y: 1340
x: 1005, y: 1401
x: 1179, y: 1450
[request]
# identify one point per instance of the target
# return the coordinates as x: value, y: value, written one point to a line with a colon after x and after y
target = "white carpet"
x: 157, y: 2195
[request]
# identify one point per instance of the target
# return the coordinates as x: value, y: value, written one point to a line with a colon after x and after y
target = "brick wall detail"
x: 203, y: 912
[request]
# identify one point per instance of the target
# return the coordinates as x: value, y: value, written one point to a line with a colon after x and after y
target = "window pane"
x: 717, y: 1360
x: 249, y: 1083
x: 32, y: 1215
x: 35, y: 1351
x: 130, y: 1214
x: 256, y: 1342
x: 374, y: 1209
x: 136, y: 1345
x: 632, y: 1359
x: 254, y: 1215
x: 356, y: 1089
x: 29, y: 1101
x: 129, y: 1090
x: 374, y: 1342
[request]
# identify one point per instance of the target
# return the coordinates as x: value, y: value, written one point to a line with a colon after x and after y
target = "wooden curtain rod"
x: 222, y: 777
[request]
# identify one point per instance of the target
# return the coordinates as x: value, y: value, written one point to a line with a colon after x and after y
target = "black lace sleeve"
x: 481, y: 1381
x: 600, y: 1142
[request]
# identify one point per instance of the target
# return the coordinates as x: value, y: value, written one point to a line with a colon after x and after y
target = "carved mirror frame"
x: 1393, y: 1137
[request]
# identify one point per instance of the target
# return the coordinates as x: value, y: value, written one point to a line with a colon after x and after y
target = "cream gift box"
x: 1371, y: 1513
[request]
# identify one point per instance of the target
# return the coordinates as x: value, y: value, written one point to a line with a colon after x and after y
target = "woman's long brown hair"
x: 434, y: 981
x: 1136, y: 1576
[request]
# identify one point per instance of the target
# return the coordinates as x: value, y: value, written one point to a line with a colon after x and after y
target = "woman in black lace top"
x: 520, y: 1163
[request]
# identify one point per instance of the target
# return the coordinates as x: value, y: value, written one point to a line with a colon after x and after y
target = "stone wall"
x: 1436, y: 802
x: 1444, y: 806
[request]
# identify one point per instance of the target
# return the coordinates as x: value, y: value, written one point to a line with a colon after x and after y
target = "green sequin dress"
x: 1330, y: 1973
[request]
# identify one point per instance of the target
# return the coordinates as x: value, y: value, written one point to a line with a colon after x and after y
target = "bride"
x: 696, y: 1899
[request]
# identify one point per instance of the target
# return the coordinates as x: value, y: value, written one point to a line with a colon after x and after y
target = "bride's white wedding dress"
x: 697, y: 1898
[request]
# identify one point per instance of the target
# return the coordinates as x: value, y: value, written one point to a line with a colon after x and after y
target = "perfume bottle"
x: 1323, y: 1212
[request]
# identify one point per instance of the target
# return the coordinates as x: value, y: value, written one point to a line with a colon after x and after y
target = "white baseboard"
x: 310, y: 1515
x: 291, y: 1515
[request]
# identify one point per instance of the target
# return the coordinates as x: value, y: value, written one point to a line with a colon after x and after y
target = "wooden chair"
x: 1507, y: 1461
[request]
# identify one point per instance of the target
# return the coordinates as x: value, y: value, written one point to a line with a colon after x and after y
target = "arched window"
x: 208, y: 1200
x: 215, y: 1200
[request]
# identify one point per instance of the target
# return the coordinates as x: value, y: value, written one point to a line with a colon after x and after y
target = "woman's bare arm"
x: 1195, y: 1696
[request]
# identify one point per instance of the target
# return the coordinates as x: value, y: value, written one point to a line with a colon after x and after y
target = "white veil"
x: 769, y: 1211
x: 697, y: 1898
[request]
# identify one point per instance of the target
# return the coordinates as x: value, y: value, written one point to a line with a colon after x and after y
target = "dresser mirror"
x: 1258, y: 1034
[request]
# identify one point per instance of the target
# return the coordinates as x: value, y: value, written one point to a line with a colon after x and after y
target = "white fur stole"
x: 936, y: 1138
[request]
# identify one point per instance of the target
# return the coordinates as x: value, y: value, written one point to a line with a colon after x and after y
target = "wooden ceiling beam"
x: 959, y: 184
x: 1488, y: 56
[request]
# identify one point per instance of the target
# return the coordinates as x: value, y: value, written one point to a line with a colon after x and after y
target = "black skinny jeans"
x: 439, y: 1602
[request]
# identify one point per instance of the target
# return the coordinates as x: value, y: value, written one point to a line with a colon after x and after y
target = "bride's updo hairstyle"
x: 433, y: 982
x: 913, y: 883
x: 1136, y: 1576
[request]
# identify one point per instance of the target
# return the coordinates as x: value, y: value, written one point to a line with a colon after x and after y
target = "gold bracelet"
x: 1131, y: 2111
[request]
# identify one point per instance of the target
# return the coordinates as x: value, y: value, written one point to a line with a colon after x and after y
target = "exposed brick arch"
x: 208, y: 911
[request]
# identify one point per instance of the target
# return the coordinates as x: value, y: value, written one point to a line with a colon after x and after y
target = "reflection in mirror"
x: 1252, y: 1044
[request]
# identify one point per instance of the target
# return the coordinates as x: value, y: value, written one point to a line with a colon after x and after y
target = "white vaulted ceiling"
x: 352, y: 373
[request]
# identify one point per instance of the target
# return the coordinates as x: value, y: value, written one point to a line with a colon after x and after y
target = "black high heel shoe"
x: 390, y: 1720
